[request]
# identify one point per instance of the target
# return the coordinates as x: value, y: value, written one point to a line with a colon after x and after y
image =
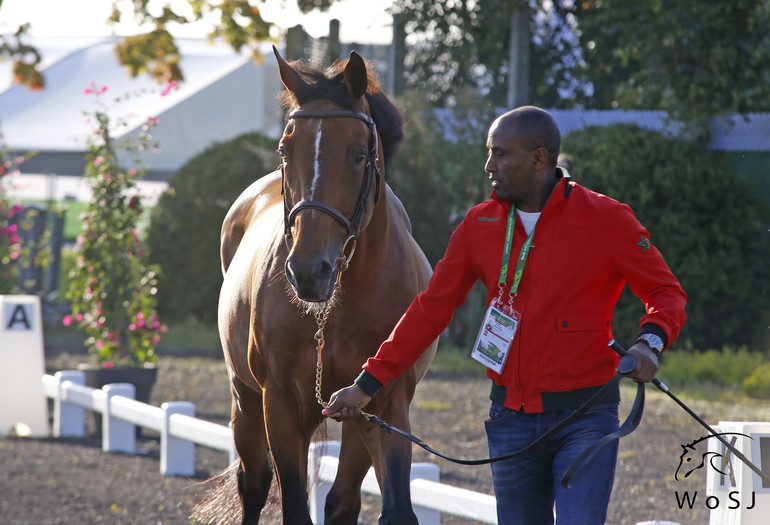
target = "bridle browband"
x: 371, y: 176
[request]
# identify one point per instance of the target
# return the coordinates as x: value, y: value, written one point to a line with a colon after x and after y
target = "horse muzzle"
x: 311, y: 278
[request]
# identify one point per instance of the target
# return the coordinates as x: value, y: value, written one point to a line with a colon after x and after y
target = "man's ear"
x: 540, y: 158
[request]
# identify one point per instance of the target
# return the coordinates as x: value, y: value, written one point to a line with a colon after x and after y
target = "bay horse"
x: 285, y: 244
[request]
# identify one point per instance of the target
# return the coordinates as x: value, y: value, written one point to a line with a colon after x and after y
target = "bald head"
x: 535, y: 128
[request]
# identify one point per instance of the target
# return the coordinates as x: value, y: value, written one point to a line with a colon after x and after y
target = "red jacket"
x: 585, y: 249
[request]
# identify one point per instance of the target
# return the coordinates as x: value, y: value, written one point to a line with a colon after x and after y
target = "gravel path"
x: 46, y: 481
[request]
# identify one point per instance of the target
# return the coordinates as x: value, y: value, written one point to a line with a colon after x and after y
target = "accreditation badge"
x: 495, y: 337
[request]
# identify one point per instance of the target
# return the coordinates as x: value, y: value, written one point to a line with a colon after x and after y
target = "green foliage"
x: 439, y: 180
x: 758, y: 383
x: 691, y: 58
x: 708, y: 224
x: 727, y: 367
x: 183, y: 236
x: 112, y: 287
x: 26, y: 58
x: 238, y: 22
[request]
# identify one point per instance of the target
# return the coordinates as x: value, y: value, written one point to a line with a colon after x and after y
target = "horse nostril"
x: 322, y: 271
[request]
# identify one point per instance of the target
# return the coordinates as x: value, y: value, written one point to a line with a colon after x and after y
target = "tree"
x: 238, y: 22
x: 26, y: 58
x: 694, y: 59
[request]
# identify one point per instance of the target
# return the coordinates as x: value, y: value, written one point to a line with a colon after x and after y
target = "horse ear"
x: 355, y: 76
x: 290, y: 78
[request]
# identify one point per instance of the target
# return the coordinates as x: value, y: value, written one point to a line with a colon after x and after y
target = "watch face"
x: 654, y: 341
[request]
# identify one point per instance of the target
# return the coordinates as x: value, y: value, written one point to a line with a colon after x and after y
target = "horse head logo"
x: 694, y: 456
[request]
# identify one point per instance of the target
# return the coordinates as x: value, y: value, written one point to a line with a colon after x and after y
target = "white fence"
x: 180, y: 431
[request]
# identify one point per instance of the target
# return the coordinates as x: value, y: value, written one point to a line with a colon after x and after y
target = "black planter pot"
x: 142, y: 378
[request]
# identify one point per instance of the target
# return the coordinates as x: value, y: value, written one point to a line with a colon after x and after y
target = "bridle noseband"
x: 371, y: 176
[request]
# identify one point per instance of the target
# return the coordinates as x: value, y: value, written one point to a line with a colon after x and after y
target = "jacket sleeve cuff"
x: 650, y: 328
x: 368, y: 383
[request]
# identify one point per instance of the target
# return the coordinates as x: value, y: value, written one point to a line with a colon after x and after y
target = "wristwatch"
x: 653, y: 341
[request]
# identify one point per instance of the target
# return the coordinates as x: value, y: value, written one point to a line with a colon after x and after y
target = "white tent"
x: 224, y: 95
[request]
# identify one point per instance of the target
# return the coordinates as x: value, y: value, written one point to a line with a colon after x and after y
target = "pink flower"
x: 79, y: 317
x: 171, y: 85
x: 98, y: 160
x: 108, y: 364
x: 67, y: 320
x: 132, y: 327
x: 103, y: 89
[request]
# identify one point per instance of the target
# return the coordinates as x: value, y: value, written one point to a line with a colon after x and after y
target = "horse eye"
x: 360, y: 157
x: 282, y: 153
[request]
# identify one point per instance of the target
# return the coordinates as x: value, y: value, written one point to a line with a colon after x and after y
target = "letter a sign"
x: 24, y: 409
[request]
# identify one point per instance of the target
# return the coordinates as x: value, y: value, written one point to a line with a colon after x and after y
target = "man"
x: 571, y: 252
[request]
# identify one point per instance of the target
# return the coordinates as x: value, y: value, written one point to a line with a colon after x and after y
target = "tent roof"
x: 224, y: 94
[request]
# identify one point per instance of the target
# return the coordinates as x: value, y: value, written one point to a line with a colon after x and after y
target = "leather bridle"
x: 371, y: 176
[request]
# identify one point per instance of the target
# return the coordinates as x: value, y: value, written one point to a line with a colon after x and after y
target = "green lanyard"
x: 507, y: 254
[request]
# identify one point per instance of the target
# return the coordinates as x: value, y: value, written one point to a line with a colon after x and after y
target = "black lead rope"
x: 663, y: 388
x: 583, y: 462
x: 626, y: 365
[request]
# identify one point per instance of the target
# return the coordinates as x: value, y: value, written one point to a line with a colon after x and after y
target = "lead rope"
x: 321, y: 317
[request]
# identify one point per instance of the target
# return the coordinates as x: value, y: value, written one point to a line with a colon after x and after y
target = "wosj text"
x: 734, y: 500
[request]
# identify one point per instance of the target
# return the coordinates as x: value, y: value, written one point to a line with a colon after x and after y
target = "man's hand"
x: 646, y: 363
x: 347, y: 403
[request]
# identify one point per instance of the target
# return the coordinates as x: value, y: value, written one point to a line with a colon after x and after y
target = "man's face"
x: 509, y: 163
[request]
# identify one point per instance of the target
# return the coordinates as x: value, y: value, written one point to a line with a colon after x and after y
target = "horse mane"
x: 329, y: 84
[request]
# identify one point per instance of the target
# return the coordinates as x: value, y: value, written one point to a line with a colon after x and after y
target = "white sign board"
x: 23, y: 407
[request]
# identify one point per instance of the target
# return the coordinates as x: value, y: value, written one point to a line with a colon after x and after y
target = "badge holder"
x: 495, y: 337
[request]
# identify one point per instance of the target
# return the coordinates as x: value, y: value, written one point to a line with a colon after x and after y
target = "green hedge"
x: 709, y: 224
x: 183, y: 235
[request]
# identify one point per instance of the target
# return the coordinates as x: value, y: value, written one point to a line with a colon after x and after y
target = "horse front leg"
x: 392, y: 458
x: 343, y: 503
x: 289, y: 438
x: 255, y: 472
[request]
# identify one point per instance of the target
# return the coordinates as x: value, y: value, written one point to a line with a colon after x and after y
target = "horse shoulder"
x: 261, y: 194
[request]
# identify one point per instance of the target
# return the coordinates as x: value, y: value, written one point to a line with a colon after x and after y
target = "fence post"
x: 118, y: 435
x: 319, y: 489
x: 69, y: 419
x: 177, y: 456
x: 430, y: 472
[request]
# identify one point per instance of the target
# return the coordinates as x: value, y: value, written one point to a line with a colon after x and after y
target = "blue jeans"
x: 527, y: 487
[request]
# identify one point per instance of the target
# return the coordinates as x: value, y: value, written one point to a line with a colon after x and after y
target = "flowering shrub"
x: 112, y: 288
x: 13, y: 252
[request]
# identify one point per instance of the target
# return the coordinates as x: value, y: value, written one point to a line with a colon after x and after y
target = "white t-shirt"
x: 528, y: 219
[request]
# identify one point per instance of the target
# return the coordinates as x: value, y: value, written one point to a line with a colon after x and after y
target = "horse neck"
x: 373, y: 242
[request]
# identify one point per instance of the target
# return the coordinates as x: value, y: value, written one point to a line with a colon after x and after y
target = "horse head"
x: 331, y: 161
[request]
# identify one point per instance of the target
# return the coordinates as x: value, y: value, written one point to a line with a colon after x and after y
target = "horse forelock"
x: 330, y: 85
